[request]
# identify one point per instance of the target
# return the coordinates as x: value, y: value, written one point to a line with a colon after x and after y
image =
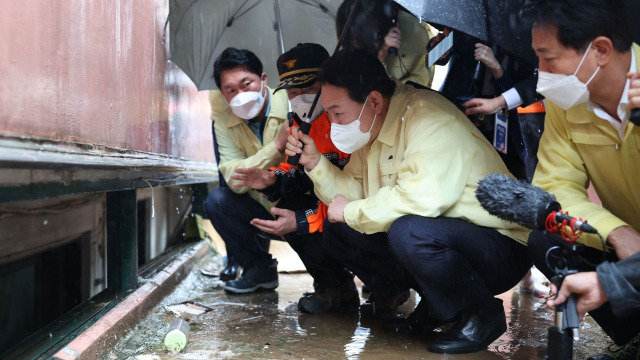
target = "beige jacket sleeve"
x: 431, y: 178
x: 233, y: 157
x: 330, y: 181
x: 561, y: 172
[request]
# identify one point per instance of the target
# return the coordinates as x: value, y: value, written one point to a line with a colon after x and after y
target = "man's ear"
x: 377, y: 100
x: 604, y: 50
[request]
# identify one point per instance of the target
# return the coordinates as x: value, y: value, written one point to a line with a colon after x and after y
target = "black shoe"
x: 380, y: 308
x: 230, y: 272
x: 474, y: 332
x: 254, y: 278
x: 419, y: 322
x: 323, y: 300
x: 630, y: 351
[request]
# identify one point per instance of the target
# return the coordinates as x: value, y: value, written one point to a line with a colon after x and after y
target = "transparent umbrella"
x: 199, y: 30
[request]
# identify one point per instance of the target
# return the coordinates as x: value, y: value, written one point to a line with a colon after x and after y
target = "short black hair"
x: 371, y: 23
x: 580, y: 21
x: 232, y: 57
x: 359, y: 72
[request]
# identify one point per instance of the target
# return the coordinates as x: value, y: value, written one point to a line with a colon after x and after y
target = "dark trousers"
x: 621, y: 330
x: 457, y: 265
x: 230, y: 214
x: 368, y: 256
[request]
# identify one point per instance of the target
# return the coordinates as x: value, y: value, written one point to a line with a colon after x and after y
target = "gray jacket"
x: 621, y: 282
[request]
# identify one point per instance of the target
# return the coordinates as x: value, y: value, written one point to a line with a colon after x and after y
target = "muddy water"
x: 268, y: 325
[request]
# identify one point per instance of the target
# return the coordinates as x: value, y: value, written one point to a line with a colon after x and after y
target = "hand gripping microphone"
x: 524, y: 204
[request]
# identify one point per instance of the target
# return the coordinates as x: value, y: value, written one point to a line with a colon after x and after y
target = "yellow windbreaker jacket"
x: 238, y: 145
x: 576, y: 148
x: 427, y: 160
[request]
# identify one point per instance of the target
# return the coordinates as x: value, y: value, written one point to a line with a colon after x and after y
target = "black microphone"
x: 522, y: 203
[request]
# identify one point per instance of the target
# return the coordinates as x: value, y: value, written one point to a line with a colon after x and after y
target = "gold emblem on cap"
x: 290, y: 64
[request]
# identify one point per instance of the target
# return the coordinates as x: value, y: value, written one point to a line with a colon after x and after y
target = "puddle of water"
x: 268, y: 325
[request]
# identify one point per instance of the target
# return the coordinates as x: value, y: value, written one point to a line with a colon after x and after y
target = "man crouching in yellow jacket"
x: 403, y: 212
x: 586, y: 52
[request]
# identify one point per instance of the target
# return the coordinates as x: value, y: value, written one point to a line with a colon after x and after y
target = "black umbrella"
x: 493, y: 21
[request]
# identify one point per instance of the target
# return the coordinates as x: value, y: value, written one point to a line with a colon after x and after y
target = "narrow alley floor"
x: 267, y: 325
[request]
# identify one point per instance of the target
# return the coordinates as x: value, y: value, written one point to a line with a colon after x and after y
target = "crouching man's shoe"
x: 474, y: 332
x: 342, y: 298
x: 230, y: 272
x: 254, y: 278
x: 375, y: 308
x: 419, y: 322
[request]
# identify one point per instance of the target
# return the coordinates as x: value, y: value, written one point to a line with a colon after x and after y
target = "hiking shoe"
x: 418, y: 322
x: 254, y: 278
x: 630, y: 351
x: 323, y: 300
x: 374, y: 307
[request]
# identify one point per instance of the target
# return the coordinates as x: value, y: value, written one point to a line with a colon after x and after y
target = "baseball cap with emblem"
x: 299, y: 67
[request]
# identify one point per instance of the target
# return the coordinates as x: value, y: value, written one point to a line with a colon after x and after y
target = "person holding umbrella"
x: 251, y: 129
x: 393, y: 35
x: 403, y: 214
x: 586, y: 53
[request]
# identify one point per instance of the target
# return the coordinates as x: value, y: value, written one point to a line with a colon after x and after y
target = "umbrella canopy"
x: 494, y: 21
x: 201, y: 29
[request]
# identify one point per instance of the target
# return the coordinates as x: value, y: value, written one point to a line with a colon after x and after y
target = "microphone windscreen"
x: 515, y: 201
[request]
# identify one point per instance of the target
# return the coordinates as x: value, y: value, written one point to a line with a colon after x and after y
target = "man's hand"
x: 625, y: 241
x: 254, y: 178
x: 286, y: 222
x: 634, y: 90
x: 392, y: 40
x: 484, y: 106
x: 335, y: 213
x: 310, y: 155
x: 485, y: 55
x: 281, y: 139
x: 587, y: 288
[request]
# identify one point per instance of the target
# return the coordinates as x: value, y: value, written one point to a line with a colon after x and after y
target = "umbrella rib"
x: 319, y: 5
x: 215, y: 44
x: 233, y: 17
x: 182, y: 17
x: 246, y: 11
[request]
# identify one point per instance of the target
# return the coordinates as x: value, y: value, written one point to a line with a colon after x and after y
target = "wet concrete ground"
x: 267, y: 325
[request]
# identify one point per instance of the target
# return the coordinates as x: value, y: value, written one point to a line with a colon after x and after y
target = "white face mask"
x: 302, y: 103
x: 566, y: 91
x: 348, y: 138
x: 247, y: 105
